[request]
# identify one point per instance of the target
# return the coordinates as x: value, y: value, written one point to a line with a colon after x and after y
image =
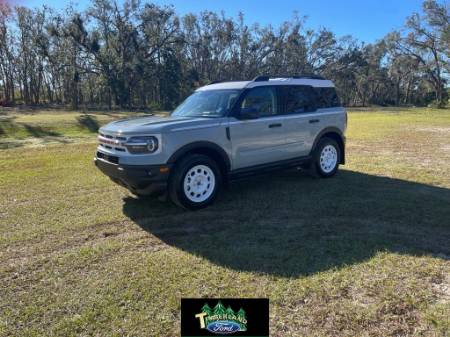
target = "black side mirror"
x: 248, y: 113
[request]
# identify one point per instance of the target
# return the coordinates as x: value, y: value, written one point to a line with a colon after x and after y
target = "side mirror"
x: 248, y: 113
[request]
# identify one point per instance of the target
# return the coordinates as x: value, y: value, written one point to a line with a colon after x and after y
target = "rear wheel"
x: 326, y: 157
x: 195, y: 182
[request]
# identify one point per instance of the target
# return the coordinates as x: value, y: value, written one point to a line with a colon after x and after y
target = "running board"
x: 269, y: 167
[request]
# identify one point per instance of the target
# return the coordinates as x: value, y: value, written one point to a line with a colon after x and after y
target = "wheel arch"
x: 333, y: 133
x: 207, y: 148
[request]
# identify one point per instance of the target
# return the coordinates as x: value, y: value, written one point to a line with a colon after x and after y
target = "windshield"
x: 209, y: 103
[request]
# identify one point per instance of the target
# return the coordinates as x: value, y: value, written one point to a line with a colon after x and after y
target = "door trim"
x: 287, y: 116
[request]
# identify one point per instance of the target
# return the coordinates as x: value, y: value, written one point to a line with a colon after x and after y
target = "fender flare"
x: 330, y: 130
x: 199, y: 145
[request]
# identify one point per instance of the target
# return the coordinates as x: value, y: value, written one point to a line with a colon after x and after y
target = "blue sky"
x: 367, y: 20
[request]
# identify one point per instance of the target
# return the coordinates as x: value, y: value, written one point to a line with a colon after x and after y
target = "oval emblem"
x: 223, y: 327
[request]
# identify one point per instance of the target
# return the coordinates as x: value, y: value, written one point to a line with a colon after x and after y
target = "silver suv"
x: 224, y: 131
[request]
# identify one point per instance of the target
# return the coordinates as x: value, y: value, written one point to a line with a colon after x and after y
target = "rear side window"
x: 327, y: 98
x: 298, y: 99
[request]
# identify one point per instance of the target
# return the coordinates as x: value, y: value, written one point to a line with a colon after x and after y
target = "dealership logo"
x: 221, y: 320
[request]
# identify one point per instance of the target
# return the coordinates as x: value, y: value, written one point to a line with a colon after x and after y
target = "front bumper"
x: 143, y: 180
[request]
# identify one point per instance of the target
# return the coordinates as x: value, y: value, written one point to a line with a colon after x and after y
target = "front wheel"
x: 195, y: 182
x: 327, y: 157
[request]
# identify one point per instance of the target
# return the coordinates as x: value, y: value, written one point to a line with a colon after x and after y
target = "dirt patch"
x: 435, y: 129
x: 445, y: 147
x: 442, y: 290
x: 42, y: 142
x: 92, y: 235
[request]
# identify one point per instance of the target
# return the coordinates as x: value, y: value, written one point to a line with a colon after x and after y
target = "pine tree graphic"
x: 206, y: 309
x: 230, y: 313
x: 242, y: 318
x: 219, y: 309
x: 241, y: 314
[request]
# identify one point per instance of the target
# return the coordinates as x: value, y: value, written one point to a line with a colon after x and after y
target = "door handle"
x: 311, y: 121
x: 276, y: 125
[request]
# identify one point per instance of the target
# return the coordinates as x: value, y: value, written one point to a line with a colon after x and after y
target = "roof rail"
x: 305, y: 76
x: 261, y: 78
x: 214, y: 82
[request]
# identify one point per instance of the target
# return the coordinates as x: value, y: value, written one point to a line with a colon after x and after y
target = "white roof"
x: 225, y: 85
x: 272, y: 81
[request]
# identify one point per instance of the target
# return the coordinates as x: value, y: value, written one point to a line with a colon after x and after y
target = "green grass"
x: 52, y: 126
x: 366, y: 253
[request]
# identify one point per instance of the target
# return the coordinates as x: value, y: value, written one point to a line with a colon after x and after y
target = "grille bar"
x: 112, y: 142
x: 107, y: 157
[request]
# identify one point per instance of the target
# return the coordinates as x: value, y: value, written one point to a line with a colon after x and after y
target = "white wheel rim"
x: 199, y: 183
x: 328, y: 158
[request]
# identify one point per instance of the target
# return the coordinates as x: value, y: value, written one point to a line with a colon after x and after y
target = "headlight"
x: 147, y: 144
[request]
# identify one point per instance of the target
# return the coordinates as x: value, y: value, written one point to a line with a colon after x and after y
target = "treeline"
x: 140, y: 55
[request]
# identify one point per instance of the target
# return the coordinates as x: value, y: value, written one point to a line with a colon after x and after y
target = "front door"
x: 261, y: 140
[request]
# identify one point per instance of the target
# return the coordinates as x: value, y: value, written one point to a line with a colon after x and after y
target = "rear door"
x: 299, y: 107
x: 261, y: 140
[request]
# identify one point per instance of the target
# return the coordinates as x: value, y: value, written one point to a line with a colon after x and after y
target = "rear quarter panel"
x: 329, y: 118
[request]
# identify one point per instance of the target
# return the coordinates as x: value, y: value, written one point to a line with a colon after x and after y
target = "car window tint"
x: 298, y: 99
x: 262, y: 99
x: 231, y: 100
x: 327, y: 98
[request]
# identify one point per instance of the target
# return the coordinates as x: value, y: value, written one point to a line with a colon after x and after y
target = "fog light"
x: 164, y: 169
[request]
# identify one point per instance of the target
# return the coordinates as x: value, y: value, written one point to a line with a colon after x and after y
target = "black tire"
x: 323, y: 170
x: 177, y: 182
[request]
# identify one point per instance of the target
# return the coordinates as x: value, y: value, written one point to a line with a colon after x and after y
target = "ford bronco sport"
x: 224, y: 131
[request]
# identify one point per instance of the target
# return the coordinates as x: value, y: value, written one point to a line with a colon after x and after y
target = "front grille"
x: 112, y: 142
x: 113, y: 137
x: 107, y: 157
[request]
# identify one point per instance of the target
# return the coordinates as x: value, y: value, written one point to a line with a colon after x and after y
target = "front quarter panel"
x: 175, y: 136
x: 213, y: 132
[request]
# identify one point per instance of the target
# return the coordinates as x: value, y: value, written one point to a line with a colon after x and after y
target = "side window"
x: 328, y: 97
x: 263, y: 99
x: 298, y: 99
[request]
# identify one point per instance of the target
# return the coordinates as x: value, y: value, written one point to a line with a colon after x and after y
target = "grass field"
x: 366, y: 253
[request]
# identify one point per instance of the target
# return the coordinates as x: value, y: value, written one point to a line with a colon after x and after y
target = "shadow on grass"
x: 89, y: 122
x: 7, y: 125
x: 289, y: 224
x: 6, y: 145
x: 13, y: 135
x: 39, y: 132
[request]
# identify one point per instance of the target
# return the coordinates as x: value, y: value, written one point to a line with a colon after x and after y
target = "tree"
x: 130, y: 54
x: 426, y: 39
x: 7, y: 63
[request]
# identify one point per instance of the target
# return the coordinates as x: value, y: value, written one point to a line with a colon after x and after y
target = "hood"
x: 149, y: 124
